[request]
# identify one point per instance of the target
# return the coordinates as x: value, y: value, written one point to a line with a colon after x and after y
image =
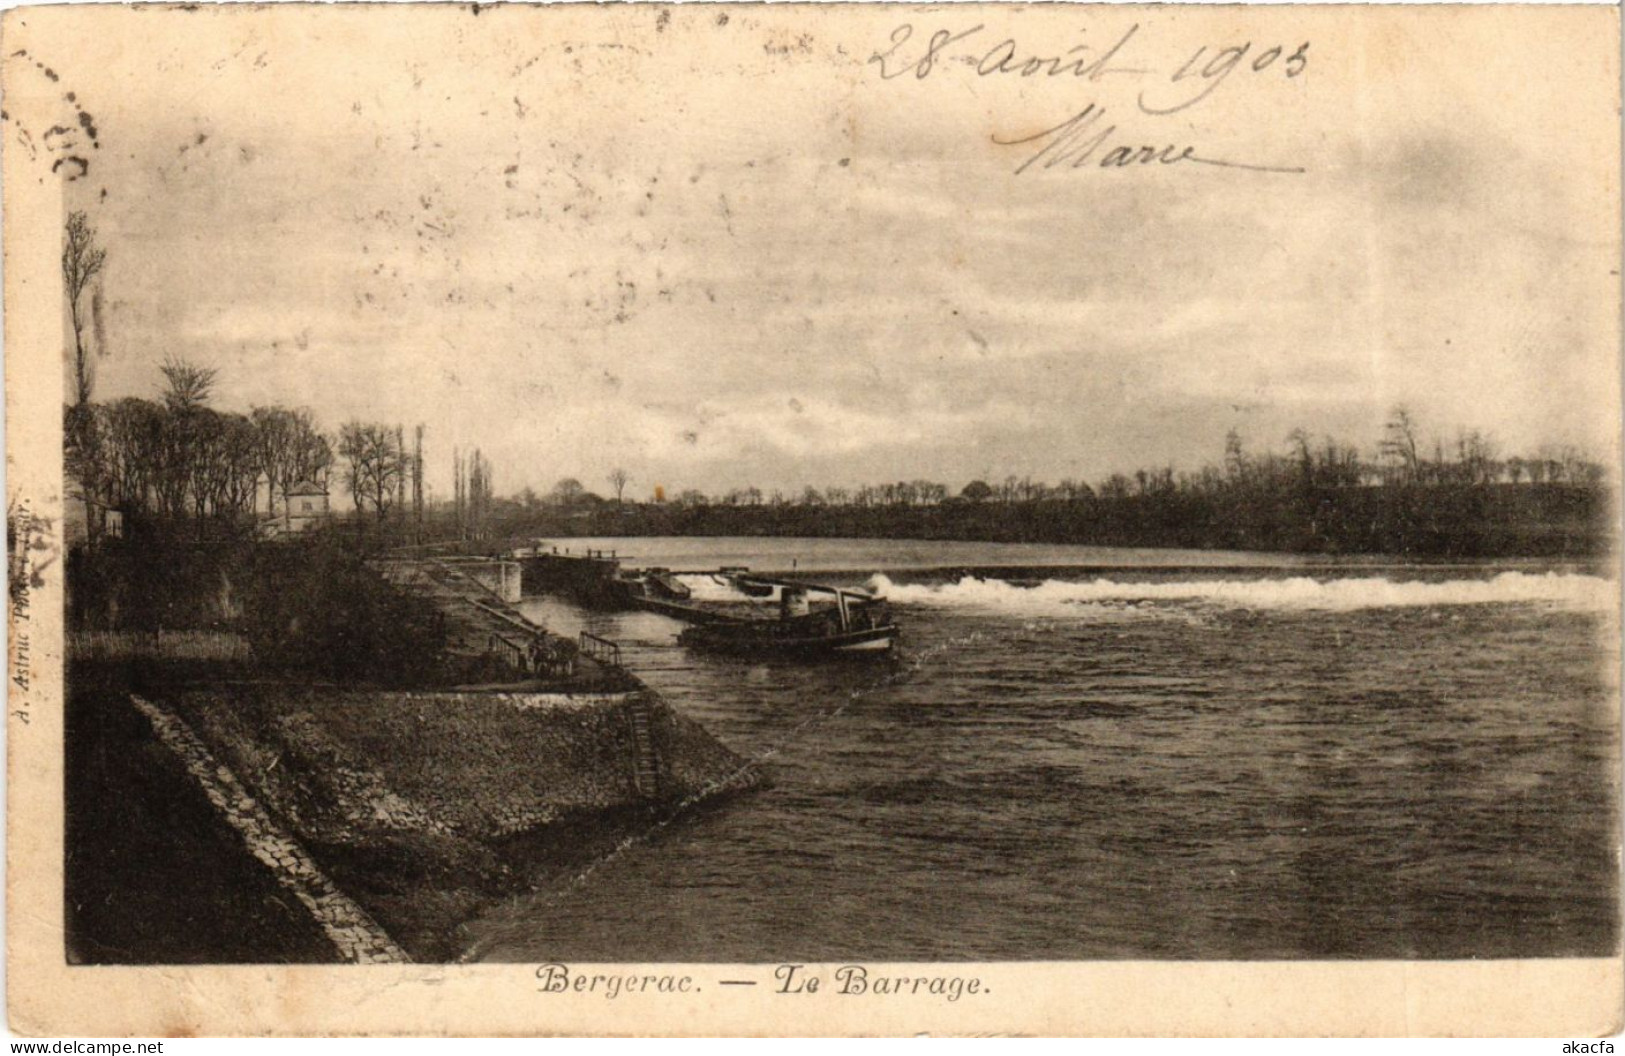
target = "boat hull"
x: 751, y: 640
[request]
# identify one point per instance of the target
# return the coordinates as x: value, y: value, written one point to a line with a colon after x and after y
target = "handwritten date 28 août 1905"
x: 1084, y: 138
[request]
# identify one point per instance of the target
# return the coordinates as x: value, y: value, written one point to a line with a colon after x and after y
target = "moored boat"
x: 847, y: 623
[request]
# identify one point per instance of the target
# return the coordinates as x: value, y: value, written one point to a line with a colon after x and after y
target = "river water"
x: 1087, y: 754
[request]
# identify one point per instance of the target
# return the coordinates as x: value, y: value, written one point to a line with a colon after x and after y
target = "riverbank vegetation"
x: 308, y: 608
x: 1536, y: 521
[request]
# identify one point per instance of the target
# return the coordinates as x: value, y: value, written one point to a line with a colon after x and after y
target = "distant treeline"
x: 177, y: 465
x: 1497, y: 520
x: 1461, y: 501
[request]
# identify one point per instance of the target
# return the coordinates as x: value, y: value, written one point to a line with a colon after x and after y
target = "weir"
x: 588, y: 578
x: 595, y: 579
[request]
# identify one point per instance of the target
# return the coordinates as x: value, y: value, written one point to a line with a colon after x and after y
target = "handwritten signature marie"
x: 1085, y: 137
x: 1079, y: 140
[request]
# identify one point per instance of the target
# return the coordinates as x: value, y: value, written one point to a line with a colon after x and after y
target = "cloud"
x: 815, y: 427
x: 479, y: 245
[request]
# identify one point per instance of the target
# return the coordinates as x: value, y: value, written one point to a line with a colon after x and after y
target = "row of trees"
x: 1409, y: 497
x: 1401, y: 460
x: 178, y: 458
x: 473, y: 492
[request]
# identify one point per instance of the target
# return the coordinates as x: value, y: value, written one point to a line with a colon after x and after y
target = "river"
x: 1086, y: 753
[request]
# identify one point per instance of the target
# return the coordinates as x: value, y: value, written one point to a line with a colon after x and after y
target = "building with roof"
x: 304, y: 505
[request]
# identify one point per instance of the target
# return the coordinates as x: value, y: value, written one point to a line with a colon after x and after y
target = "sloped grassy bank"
x: 424, y: 806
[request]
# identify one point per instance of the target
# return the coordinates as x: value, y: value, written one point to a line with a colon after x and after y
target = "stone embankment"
x: 369, y: 766
x: 422, y: 803
x: 424, y: 806
x: 354, y: 934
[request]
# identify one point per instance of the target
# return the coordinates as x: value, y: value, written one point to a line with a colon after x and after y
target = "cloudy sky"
x: 718, y: 248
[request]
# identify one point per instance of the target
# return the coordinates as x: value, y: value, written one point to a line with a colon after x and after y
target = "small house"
x: 304, y: 505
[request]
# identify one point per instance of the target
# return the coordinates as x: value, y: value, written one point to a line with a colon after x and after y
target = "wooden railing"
x: 600, y: 649
x: 538, y: 655
x: 509, y: 652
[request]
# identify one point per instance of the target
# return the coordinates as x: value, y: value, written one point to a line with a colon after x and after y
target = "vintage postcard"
x: 846, y: 519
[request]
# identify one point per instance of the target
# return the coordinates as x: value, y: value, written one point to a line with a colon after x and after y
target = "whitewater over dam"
x: 1333, y: 593
x: 1090, y: 754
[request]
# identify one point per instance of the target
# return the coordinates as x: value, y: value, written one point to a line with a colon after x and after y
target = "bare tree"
x: 205, y: 459
x: 1399, y: 443
x: 312, y: 453
x: 478, y: 491
x: 373, y: 465
x: 86, y: 457
x: 1116, y: 486
x: 417, y: 485
x: 289, y: 449
x: 1477, y: 456
x: 185, y: 436
x: 459, y: 488
x: 618, y: 480
x: 135, y: 435
x: 241, y: 471
x: 189, y: 385
x: 1235, y: 457
x: 406, y: 468
x: 1304, y: 455
x: 1339, y: 464
x: 82, y: 261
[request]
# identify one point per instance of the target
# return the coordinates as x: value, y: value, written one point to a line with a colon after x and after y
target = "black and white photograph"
x: 823, y: 500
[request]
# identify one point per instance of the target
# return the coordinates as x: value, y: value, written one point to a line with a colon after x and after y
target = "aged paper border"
x: 47, y: 996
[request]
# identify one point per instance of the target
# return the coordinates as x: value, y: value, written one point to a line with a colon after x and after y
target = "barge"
x: 812, y: 620
x: 853, y: 623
